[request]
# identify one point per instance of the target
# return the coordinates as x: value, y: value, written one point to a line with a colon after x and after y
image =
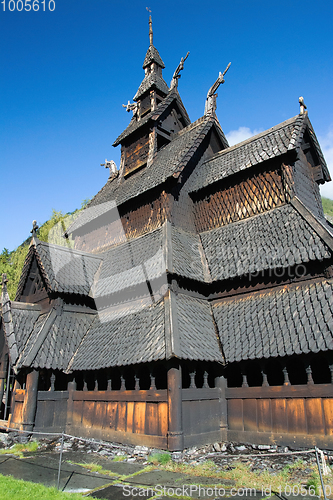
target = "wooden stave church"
x: 192, y: 300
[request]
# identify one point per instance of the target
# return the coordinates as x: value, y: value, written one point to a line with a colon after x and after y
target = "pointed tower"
x: 156, y: 115
x: 153, y: 87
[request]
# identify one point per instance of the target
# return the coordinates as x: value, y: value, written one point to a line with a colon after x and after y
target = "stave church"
x: 191, y: 301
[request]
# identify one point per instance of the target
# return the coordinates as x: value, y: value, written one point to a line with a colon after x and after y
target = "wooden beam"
x: 175, y: 432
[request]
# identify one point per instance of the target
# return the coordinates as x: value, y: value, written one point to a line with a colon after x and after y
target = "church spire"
x: 150, y: 31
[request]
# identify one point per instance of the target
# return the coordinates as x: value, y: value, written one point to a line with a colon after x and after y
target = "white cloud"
x: 326, y: 143
x: 241, y: 134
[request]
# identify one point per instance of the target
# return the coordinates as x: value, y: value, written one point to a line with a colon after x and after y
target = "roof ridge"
x: 66, y: 249
x: 251, y: 139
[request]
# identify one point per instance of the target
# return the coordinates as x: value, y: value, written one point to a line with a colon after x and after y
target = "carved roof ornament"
x: 131, y: 106
x: 112, y: 167
x: 302, y: 105
x: 177, y: 75
x: 210, y: 106
x: 34, y: 228
x: 4, y: 283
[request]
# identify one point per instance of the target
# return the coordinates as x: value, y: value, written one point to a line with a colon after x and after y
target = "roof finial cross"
x: 302, y: 105
x: 34, y: 228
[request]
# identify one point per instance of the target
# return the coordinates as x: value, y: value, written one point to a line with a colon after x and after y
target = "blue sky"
x: 65, y: 74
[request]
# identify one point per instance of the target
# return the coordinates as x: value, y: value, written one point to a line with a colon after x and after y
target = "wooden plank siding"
x: 288, y: 415
x: 133, y: 417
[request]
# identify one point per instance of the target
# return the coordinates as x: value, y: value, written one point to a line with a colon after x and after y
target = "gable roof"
x: 168, y: 163
x: 150, y: 81
x: 134, y: 125
x: 276, y: 141
x: 64, y: 270
x: 278, y: 322
x: 152, y: 55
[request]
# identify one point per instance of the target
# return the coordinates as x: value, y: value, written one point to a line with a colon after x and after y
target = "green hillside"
x: 12, y: 262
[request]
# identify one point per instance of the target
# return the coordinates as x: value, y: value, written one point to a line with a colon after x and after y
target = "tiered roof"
x: 163, y: 294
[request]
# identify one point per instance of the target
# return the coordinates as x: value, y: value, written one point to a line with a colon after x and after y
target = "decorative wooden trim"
x: 148, y: 396
x: 273, y: 392
x: 52, y: 395
x: 200, y: 394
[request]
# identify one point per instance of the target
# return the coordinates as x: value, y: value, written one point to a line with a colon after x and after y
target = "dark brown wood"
x: 175, y: 432
x: 290, y: 391
x: 30, y: 401
x: 248, y: 197
x: 120, y: 395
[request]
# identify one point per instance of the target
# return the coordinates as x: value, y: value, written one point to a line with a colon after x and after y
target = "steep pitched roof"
x: 151, y: 81
x: 134, y: 125
x: 54, y: 338
x: 64, y: 270
x: 278, y: 140
x: 152, y: 55
x: 278, y: 322
x: 168, y: 162
x: 278, y: 238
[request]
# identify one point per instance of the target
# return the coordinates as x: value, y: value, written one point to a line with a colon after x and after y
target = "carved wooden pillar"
x: 285, y: 376
x: 152, y: 381
x: 205, y: 380
x: 243, y: 371
x: 122, y: 382
x: 221, y: 383
x: 71, y: 387
x: 52, y: 381
x: 192, y: 377
x: 175, y: 433
x: 30, y: 403
x: 308, y: 370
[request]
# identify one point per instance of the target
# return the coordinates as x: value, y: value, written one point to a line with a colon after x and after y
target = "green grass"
x: 327, y: 206
x: 18, y: 449
x: 159, y: 458
x: 17, y: 489
x: 93, y: 467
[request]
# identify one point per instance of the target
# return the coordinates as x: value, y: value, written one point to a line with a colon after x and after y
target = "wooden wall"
x: 248, y: 197
x: 299, y: 415
x: 136, y: 153
x: 201, y: 416
x: 134, y: 417
x: 136, y: 222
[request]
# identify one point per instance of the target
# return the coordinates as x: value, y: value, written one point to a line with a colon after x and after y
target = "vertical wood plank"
x: 121, y: 422
x: 139, y: 418
x: 77, y: 412
x: 264, y: 415
x: 130, y: 416
x: 100, y: 410
x: 314, y: 416
x: 235, y: 414
x: 279, y: 415
x: 112, y: 415
x: 250, y: 414
x: 162, y: 419
x: 296, y: 416
x: 152, y: 419
x: 328, y: 414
